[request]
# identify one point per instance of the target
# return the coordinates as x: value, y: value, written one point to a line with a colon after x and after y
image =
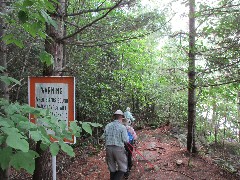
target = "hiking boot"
x: 112, y: 175
x: 118, y: 175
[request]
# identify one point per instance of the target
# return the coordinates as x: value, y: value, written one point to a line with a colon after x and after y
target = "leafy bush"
x: 16, y: 130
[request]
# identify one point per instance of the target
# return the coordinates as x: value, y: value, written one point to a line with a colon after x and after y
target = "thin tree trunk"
x: 121, y: 83
x: 4, y: 174
x: 133, y: 102
x: 55, y: 47
x: 64, y: 63
x: 3, y: 54
x: 205, y: 123
x: 238, y: 116
x: 191, y: 84
x: 224, y: 130
x: 214, y: 122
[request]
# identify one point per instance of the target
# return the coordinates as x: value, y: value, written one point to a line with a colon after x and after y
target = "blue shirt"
x: 115, y: 134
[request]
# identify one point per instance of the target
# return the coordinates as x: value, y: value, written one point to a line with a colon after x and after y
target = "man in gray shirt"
x: 115, y: 136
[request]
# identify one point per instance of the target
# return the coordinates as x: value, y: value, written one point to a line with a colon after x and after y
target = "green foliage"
x: 87, y: 126
x: 99, y: 92
x: 8, y: 80
x: 15, y: 139
x: 66, y: 148
x: 22, y: 16
x: 31, y: 17
x: 46, y: 58
x: 217, y: 109
x: 10, y: 39
x: 15, y: 129
x: 48, y: 19
x: 5, y: 156
x: 226, y: 165
x: 25, y: 160
x: 54, y: 148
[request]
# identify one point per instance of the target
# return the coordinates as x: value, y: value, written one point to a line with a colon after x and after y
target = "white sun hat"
x: 119, y: 112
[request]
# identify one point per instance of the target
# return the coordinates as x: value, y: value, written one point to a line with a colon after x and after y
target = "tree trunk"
x: 224, y: 129
x: 214, y: 122
x: 3, y: 54
x: 55, y: 47
x: 206, y: 124
x: 4, y: 174
x: 191, y: 77
x: 120, y: 98
x: 133, y: 102
x: 238, y: 116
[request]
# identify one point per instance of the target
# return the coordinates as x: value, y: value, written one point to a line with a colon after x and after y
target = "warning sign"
x: 56, y: 94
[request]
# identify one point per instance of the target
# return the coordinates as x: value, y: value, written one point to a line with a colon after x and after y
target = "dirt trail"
x: 155, y: 158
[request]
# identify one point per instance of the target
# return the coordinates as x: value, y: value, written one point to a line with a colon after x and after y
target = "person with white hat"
x: 116, y: 136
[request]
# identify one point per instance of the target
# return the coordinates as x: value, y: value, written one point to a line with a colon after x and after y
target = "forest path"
x: 157, y: 156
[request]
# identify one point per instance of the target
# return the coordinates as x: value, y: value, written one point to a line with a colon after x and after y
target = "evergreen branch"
x: 219, y: 84
x: 209, y: 70
x: 94, y: 21
x: 219, y: 9
x: 123, y: 39
x: 210, y: 85
x: 98, y: 9
x: 97, y: 43
x: 88, y: 11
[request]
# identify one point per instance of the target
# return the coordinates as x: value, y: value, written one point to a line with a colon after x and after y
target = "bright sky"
x: 179, y: 21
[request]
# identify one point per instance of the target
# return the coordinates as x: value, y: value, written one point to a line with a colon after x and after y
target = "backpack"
x: 130, y: 136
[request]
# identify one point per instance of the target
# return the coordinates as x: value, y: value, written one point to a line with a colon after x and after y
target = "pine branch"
x: 220, y: 9
x: 220, y: 84
x: 210, y: 70
x: 88, y: 11
x: 90, y: 24
x: 98, y: 9
x: 123, y: 39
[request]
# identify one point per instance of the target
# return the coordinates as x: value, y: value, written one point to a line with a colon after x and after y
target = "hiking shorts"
x: 116, y: 158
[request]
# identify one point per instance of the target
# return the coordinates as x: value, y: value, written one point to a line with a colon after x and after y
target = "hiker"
x: 128, y: 115
x: 132, y: 136
x: 116, y: 136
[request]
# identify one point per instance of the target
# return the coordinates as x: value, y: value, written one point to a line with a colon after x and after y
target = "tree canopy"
x: 123, y: 53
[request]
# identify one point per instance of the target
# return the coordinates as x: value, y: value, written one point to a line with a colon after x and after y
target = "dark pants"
x: 116, y: 158
x: 129, y: 149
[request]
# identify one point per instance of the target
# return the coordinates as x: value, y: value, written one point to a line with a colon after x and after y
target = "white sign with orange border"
x: 56, y: 94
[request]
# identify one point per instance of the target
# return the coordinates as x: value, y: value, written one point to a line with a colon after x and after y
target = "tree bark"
x: 191, y: 147
x: 4, y: 174
x: 55, y: 47
x: 53, y: 43
x: 3, y: 53
x: 214, y: 122
x: 224, y: 128
x: 238, y: 116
